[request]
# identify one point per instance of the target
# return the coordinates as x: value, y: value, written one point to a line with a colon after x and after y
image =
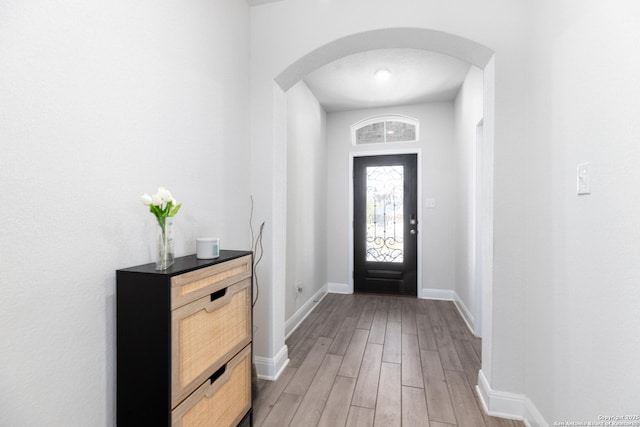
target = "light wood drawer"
x: 205, y: 334
x: 221, y: 401
x: 199, y: 283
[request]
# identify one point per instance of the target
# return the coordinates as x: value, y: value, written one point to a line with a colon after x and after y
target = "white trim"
x: 339, y: 288
x: 482, y: 388
x: 271, y: 368
x: 439, y: 294
x: 533, y: 417
x: 389, y: 152
x: 478, y: 228
x: 499, y: 403
x: 488, y: 125
x: 508, y: 405
x: 294, y: 321
x: 465, y: 313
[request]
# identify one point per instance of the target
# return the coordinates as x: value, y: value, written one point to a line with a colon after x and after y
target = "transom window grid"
x: 385, y: 129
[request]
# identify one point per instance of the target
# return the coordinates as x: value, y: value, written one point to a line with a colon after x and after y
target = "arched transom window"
x: 384, y: 129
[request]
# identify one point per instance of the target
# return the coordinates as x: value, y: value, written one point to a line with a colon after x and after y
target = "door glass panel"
x: 385, y: 195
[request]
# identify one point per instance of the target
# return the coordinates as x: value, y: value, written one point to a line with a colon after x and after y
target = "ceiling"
x: 418, y: 76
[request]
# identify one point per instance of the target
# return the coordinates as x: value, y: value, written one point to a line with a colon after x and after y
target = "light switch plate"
x: 584, y: 178
x: 430, y: 203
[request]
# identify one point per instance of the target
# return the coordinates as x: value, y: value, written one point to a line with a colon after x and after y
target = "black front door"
x: 385, y: 224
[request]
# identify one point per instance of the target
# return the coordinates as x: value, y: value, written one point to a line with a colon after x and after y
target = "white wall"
x: 100, y: 103
x: 583, y: 252
x: 438, y: 182
x: 306, y: 197
x: 285, y: 31
x: 468, y: 113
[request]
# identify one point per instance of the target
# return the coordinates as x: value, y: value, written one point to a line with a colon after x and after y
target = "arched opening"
x: 416, y: 38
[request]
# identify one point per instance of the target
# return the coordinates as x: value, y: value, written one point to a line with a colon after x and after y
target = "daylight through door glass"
x: 385, y: 219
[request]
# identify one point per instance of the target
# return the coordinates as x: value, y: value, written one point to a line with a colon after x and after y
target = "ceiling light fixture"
x: 382, y: 75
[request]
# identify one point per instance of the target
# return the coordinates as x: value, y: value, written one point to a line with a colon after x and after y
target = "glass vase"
x: 164, y: 252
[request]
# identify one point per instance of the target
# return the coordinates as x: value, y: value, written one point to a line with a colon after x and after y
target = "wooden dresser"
x: 184, y: 343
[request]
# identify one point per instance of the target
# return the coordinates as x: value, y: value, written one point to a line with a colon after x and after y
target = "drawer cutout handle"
x: 222, y: 297
x: 217, y: 374
x: 219, y: 294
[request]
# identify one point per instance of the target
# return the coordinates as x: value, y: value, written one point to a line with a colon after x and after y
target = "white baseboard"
x: 340, y: 288
x: 500, y: 403
x: 271, y: 368
x: 294, y: 321
x: 533, y: 417
x: 465, y: 313
x: 508, y: 405
x: 439, y: 294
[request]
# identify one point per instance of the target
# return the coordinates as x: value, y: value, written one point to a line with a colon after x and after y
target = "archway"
x: 416, y: 38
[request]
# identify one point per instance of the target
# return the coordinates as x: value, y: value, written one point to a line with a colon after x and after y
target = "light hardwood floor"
x: 368, y: 360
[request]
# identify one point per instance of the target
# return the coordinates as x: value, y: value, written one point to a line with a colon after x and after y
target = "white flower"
x: 156, y: 200
x: 165, y: 194
x: 162, y: 204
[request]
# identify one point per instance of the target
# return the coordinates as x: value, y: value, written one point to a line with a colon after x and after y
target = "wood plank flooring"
x: 383, y: 361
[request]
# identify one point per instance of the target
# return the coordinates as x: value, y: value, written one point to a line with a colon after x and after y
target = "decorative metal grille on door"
x: 385, y: 230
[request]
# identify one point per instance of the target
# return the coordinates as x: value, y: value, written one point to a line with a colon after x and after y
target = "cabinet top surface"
x: 186, y: 263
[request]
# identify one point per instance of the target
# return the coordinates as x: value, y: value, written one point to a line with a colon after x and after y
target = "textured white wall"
x: 306, y: 197
x: 438, y: 182
x: 100, y: 103
x: 468, y: 113
x: 583, y: 270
